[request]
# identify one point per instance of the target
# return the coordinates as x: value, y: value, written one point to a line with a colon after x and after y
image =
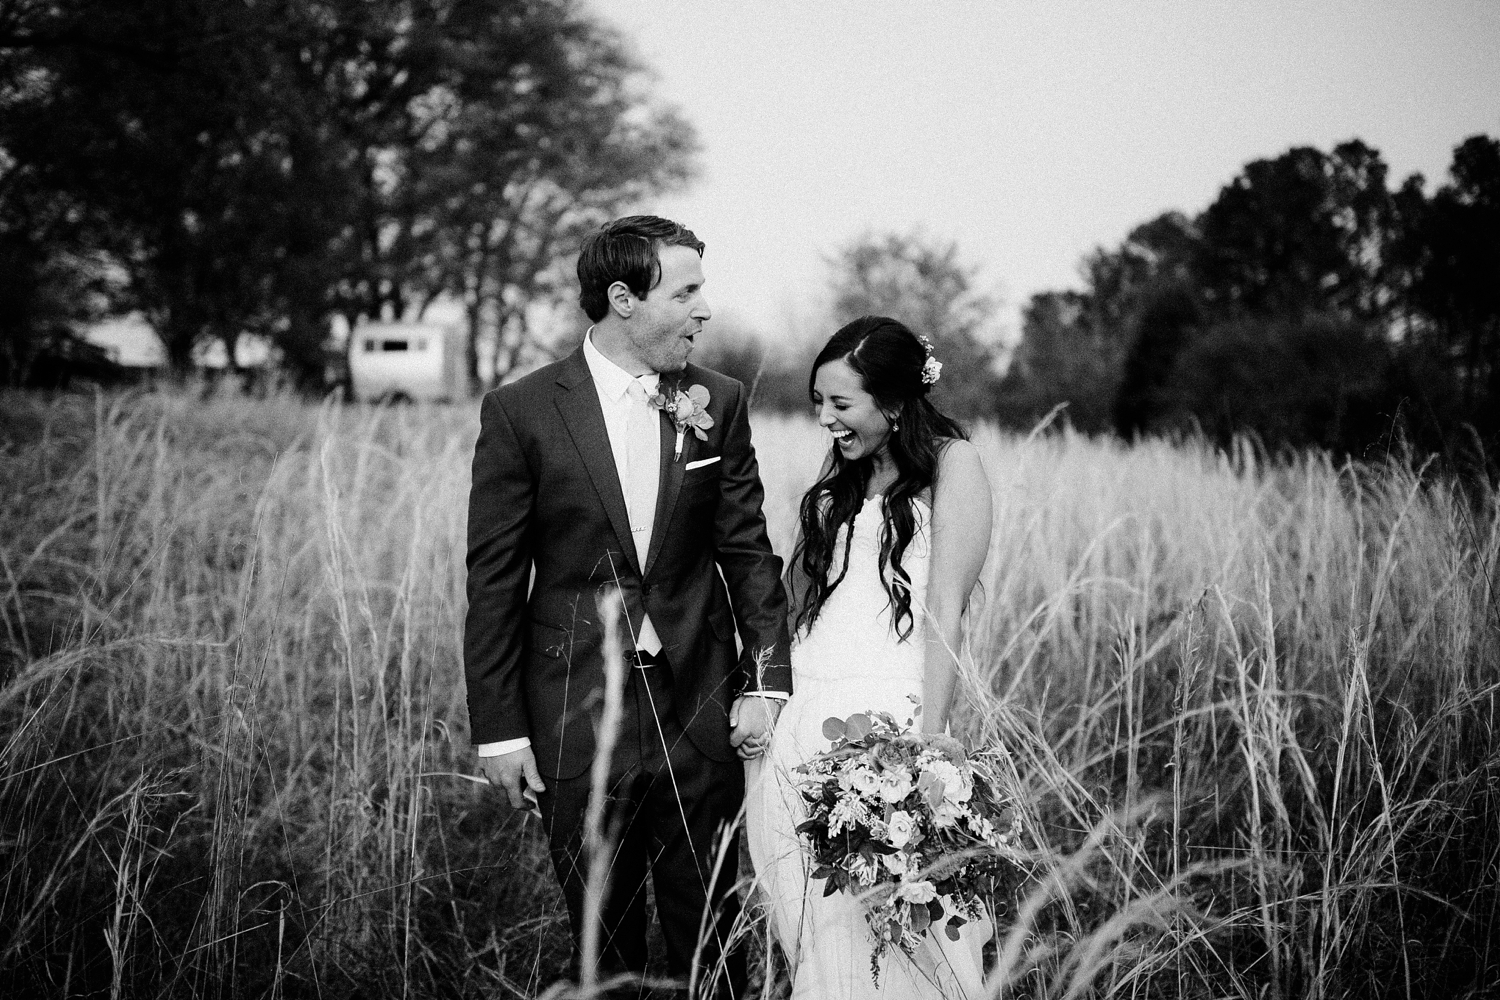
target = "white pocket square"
x: 701, y: 463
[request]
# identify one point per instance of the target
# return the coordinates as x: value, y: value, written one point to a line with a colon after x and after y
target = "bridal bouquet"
x: 910, y: 823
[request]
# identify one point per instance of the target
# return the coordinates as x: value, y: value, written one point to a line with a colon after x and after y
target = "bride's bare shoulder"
x: 961, y: 489
x: 958, y: 459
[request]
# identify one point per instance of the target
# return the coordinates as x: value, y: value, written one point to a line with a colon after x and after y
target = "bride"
x: 891, y: 540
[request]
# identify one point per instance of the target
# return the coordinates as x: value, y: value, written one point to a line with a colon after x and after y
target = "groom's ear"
x: 621, y: 299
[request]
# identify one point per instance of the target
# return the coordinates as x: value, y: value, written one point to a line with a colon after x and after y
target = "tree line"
x: 262, y: 165
x: 1311, y: 304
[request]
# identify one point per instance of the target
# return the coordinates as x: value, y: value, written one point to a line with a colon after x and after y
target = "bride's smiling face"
x: 848, y: 412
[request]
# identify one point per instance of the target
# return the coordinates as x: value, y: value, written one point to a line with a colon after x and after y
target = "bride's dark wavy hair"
x: 888, y: 359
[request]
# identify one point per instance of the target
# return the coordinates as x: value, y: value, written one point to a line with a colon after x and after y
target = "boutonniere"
x: 687, y: 408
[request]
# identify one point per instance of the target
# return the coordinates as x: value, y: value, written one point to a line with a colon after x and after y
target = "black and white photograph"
x: 749, y: 500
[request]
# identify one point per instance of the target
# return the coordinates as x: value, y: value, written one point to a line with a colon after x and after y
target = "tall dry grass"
x: 1251, y: 709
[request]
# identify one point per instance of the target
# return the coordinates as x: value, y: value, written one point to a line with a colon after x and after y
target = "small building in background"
x: 132, y: 345
x: 129, y: 342
x: 410, y: 361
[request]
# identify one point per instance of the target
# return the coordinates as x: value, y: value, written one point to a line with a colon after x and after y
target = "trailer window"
x: 393, y: 345
x: 369, y: 345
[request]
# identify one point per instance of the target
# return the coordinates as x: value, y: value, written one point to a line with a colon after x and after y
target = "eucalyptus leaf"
x: 857, y: 726
x: 920, y: 919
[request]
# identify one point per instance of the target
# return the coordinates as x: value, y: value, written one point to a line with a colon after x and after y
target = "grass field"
x: 1252, y: 709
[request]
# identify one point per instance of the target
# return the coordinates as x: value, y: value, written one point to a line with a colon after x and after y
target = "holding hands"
x: 751, y: 720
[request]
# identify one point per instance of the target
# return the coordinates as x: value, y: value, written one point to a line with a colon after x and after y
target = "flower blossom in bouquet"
x: 912, y: 824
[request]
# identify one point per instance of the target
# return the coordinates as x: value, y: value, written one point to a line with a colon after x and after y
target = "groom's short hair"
x: 626, y: 250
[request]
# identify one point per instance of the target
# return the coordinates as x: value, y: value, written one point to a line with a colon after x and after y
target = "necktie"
x: 643, y: 450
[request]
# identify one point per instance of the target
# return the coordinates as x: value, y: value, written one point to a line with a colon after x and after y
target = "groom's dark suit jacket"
x: 546, y: 498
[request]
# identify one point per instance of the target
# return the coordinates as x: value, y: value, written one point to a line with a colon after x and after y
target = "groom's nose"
x: 702, y: 311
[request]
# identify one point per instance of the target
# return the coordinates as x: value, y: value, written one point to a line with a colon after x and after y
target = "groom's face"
x: 664, y: 325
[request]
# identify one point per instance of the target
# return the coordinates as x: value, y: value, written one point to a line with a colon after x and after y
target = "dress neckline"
x: 881, y: 496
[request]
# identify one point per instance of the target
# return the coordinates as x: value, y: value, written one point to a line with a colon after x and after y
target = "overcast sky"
x: 1028, y: 132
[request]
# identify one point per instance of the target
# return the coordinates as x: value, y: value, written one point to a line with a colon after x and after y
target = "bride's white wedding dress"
x: 850, y: 661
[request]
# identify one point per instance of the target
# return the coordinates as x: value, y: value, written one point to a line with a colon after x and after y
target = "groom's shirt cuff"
x: 510, y: 746
x: 503, y: 747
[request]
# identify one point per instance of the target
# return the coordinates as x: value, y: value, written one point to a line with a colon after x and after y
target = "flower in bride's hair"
x: 932, y: 370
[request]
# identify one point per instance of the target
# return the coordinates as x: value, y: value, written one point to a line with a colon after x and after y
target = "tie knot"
x: 636, y: 391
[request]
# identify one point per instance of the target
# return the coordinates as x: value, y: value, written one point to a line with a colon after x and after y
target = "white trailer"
x: 414, y: 361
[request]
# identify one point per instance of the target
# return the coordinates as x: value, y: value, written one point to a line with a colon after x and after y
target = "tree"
x: 1452, y: 249
x: 777, y: 379
x: 923, y: 283
x: 529, y: 130
x: 1304, y: 233
x: 258, y: 166
x: 1308, y: 381
x: 1155, y: 254
x: 1057, y: 363
x: 1074, y: 344
x: 48, y: 286
x: 1164, y: 329
x: 1308, y: 303
x: 89, y: 121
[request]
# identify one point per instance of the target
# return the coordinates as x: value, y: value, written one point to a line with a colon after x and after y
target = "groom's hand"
x: 751, y: 720
x: 516, y: 773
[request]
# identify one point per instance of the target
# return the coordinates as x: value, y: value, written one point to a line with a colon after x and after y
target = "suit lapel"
x: 670, y: 485
x: 579, y: 407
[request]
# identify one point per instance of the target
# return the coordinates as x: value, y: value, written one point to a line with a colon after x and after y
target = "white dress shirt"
x: 612, y: 383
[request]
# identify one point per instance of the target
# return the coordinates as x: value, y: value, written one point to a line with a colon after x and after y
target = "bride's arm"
x: 960, y: 540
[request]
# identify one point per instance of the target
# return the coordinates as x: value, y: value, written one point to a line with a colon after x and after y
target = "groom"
x: 582, y: 482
